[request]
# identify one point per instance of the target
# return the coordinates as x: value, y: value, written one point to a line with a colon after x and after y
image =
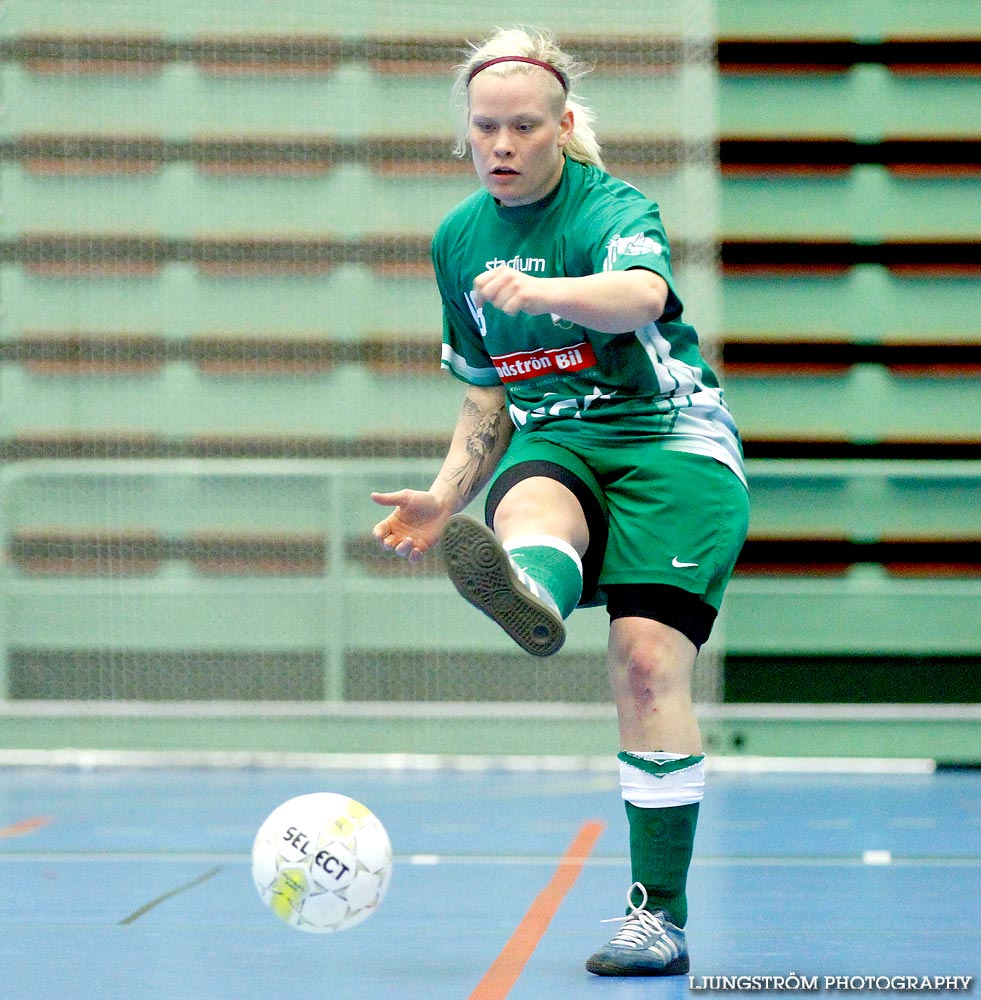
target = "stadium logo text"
x: 534, y: 265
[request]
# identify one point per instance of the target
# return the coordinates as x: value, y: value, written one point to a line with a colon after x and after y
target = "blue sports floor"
x: 135, y: 885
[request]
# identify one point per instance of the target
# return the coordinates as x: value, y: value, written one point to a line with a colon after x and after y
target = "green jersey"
x: 644, y: 383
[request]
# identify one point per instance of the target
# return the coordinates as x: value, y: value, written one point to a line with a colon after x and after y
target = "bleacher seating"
x: 210, y: 285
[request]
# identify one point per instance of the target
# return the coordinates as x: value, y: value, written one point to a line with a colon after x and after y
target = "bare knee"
x: 649, y: 662
x: 539, y: 505
x: 650, y: 671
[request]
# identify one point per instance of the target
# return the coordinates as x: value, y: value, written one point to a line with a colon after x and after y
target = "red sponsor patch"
x: 523, y: 365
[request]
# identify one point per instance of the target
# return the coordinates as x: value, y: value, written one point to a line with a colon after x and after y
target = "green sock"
x: 661, y: 844
x: 553, y: 565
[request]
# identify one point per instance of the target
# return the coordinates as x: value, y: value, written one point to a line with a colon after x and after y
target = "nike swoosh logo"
x: 681, y: 565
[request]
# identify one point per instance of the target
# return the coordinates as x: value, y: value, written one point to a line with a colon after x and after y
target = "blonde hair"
x: 532, y: 43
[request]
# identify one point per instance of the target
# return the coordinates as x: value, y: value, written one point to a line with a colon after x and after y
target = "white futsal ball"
x: 322, y: 862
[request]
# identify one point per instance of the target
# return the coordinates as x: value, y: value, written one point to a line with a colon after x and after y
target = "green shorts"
x: 667, y: 517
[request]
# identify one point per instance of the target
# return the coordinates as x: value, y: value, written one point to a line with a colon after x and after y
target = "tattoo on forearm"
x: 482, y: 441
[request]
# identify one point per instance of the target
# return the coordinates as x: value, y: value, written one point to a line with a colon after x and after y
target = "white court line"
x: 708, y: 711
x: 276, y: 760
x: 432, y: 860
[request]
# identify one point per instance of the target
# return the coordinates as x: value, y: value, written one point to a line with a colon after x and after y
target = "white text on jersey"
x: 535, y: 265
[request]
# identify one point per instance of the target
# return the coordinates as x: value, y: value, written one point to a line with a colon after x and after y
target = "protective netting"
x: 220, y: 332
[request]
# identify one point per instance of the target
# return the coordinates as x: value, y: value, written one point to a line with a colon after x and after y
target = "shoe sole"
x: 610, y: 967
x: 481, y: 571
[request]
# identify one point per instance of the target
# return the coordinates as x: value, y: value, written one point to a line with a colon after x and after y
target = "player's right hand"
x: 414, y: 526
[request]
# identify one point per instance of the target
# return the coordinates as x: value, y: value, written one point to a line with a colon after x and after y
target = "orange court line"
x: 25, y: 826
x: 510, y: 963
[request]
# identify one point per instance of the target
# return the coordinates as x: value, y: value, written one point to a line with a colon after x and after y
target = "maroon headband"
x: 557, y: 73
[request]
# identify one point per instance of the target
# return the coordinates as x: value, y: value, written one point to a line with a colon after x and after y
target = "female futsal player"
x: 614, y: 465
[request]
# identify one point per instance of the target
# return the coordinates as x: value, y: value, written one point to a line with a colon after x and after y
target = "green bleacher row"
x: 867, y: 102
x: 319, y: 53
x: 178, y: 399
x: 860, y: 19
x: 863, y: 303
x: 350, y: 101
x: 172, y: 638
x: 82, y: 255
x: 408, y: 351
x: 404, y: 155
x: 238, y: 498
x: 868, y: 202
x: 137, y: 552
x: 847, y: 19
x: 429, y: 18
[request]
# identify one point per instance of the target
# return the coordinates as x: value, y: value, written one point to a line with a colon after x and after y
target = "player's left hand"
x: 511, y: 291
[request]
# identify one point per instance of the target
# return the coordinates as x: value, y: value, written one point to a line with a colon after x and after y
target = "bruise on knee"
x: 653, y: 667
x: 645, y: 680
